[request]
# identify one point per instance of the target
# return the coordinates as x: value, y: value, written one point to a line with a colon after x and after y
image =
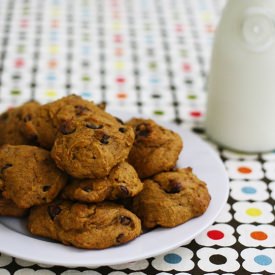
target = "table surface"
x: 152, y: 57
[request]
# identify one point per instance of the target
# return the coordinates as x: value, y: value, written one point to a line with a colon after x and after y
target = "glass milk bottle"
x: 241, y: 84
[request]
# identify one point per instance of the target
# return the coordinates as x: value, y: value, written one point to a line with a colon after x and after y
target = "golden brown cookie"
x: 122, y: 182
x: 55, y: 116
x: 28, y: 175
x: 171, y: 198
x: 155, y: 149
x: 9, y: 208
x: 93, y: 149
x: 91, y: 226
x: 12, y: 121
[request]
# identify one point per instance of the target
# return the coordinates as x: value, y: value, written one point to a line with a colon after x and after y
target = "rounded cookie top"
x: 155, y: 149
x: 171, y: 198
x: 28, y: 175
x: 122, y: 182
x: 12, y: 121
x: 53, y: 116
x: 90, y: 226
x: 93, y: 149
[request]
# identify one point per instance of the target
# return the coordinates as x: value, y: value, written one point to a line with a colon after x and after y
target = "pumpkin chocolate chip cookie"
x: 28, y: 175
x: 171, y: 198
x: 90, y: 226
x: 52, y: 117
x: 122, y: 182
x: 12, y: 121
x: 93, y: 149
x: 155, y: 149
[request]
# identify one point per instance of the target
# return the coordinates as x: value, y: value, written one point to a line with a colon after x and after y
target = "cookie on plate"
x: 54, y: 116
x: 122, y: 182
x: 12, y: 121
x: 93, y: 149
x: 28, y: 175
x: 171, y: 198
x: 155, y: 149
x: 90, y: 226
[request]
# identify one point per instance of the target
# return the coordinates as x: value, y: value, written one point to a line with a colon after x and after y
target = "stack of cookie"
x: 87, y: 179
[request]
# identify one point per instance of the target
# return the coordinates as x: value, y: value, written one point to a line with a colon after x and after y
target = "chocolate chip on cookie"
x: 122, y: 182
x: 28, y: 175
x: 12, y: 121
x: 155, y: 149
x: 88, y: 153
x: 90, y: 226
x: 171, y: 198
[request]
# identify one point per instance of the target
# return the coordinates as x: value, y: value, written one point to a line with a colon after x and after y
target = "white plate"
x: 15, y: 240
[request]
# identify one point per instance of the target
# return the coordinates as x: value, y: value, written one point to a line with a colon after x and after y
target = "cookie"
x: 28, y: 175
x: 122, y: 182
x: 93, y: 149
x: 90, y: 226
x: 55, y: 116
x: 12, y: 121
x: 155, y: 149
x: 9, y: 208
x: 171, y: 198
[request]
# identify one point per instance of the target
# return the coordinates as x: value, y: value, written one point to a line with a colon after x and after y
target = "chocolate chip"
x: 124, y: 190
x: 105, y: 139
x: 119, y: 238
x: 175, y: 186
x: 27, y: 118
x: 80, y: 110
x: 46, y: 188
x: 53, y: 210
x: 122, y: 130
x: 4, y: 116
x: 93, y: 126
x: 125, y: 220
x: 102, y: 105
x: 143, y: 130
x: 66, y: 128
x: 33, y: 138
x: 87, y: 189
x: 119, y: 120
x: 6, y: 166
x: 19, y: 116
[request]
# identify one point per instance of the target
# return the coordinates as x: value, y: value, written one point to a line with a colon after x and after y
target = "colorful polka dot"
x: 121, y: 95
x: 54, y: 49
x: 55, y: 23
x: 195, y: 114
x: 118, y: 51
x: 172, y: 258
x: 215, y: 234
x: 263, y: 260
x: 186, y: 67
x: 120, y: 80
x: 51, y: 93
x: 19, y: 63
x: 253, y: 212
x: 244, y: 170
x: 15, y: 92
x: 159, y: 112
x: 21, y: 48
x: 52, y: 64
x: 258, y: 235
x: 249, y: 190
x: 192, y: 97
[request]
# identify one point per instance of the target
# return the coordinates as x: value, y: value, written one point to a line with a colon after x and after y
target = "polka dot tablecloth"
x: 151, y: 57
